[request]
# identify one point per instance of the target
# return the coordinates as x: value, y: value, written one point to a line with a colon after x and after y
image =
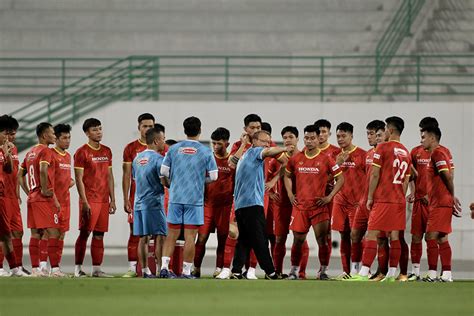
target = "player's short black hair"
x: 159, y: 127
x: 434, y: 130
x: 266, y: 127
x: 396, y: 123
x: 376, y: 125
x: 146, y: 116
x: 312, y: 129
x: 192, y: 126
x: 345, y: 127
x: 428, y: 121
x: 151, y: 134
x: 252, y: 118
x: 290, y: 129
x: 89, y: 123
x: 13, y: 123
x: 62, y: 129
x: 323, y: 123
x: 221, y: 133
x: 170, y: 142
x: 5, y: 123
x: 41, y: 128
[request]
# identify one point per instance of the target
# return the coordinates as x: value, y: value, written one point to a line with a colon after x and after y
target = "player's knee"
x: 233, y: 233
x: 355, y: 236
x: 98, y: 235
x: 416, y: 239
x: 280, y: 239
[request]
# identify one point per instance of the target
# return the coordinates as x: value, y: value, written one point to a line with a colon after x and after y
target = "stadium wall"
x: 120, y: 127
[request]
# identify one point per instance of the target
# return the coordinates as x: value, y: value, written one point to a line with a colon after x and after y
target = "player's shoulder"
x: 132, y: 145
x: 445, y: 150
x: 360, y: 151
x: 105, y: 148
x: 82, y: 148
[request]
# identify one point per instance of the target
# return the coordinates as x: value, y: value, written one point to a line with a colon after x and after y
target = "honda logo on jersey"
x: 188, y: 150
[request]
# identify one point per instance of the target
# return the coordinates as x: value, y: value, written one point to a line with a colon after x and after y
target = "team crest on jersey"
x: 188, y: 150
x: 400, y: 152
x: 300, y: 162
x: 143, y: 161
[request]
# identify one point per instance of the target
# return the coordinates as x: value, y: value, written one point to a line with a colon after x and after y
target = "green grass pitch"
x: 67, y: 297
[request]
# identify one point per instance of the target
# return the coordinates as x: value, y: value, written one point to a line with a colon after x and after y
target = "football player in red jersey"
x: 306, y: 174
x: 442, y: 204
x: 95, y: 185
x: 375, y: 135
x: 62, y: 179
x: 386, y: 199
x: 218, y: 199
x: 145, y: 122
x: 351, y: 160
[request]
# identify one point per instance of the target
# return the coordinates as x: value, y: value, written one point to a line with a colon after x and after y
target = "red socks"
x: 2, y: 258
x: 132, y: 248
x: 221, y: 240
x: 323, y: 254
x: 53, y: 252
x: 34, y: 252
x: 229, y: 251
x: 346, y: 255
x: 43, y: 248
x: 200, y: 250
x: 296, y: 254
x: 18, y: 248
x: 395, y: 252
x: 60, y: 249
x: 97, y: 251
x: 432, y: 251
x: 415, y: 252
x: 445, y: 255
x: 369, y: 253
x: 382, y: 257
x: 80, y: 247
x: 279, y: 256
x: 356, y: 251
x: 11, y: 260
x: 304, y: 258
x: 404, y: 255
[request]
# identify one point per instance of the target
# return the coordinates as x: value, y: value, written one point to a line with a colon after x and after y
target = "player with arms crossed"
x: 95, y: 185
x: 307, y: 173
x: 386, y: 199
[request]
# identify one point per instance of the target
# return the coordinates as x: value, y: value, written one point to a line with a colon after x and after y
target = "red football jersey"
x: 369, y: 159
x: 221, y: 192
x: 62, y: 176
x: 236, y: 147
x: 310, y: 177
x: 439, y: 195
x: 420, y: 159
x: 2, y: 174
x: 331, y: 150
x: 11, y: 179
x: 353, y: 170
x: 129, y: 153
x: 446, y: 151
x: 281, y: 189
x: 38, y: 154
x: 393, y: 159
x: 96, y: 164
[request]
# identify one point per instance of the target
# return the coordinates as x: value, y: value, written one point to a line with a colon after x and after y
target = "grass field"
x: 67, y: 297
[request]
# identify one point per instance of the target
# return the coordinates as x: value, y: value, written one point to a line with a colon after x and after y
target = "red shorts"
x: 419, y: 218
x: 342, y: 217
x: 4, y: 224
x: 387, y: 217
x: 301, y: 221
x: 282, y: 217
x: 439, y: 220
x: 42, y: 214
x: 64, y: 218
x: 14, y: 214
x: 269, y: 217
x: 216, y: 218
x: 361, y: 218
x: 98, y: 220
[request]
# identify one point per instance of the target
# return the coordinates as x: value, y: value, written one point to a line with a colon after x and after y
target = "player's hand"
x: 411, y: 198
x: 342, y: 157
x: 86, y: 210
x: 47, y: 192
x: 112, y: 207
x: 290, y: 148
x: 457, y: 204
x: 270, y: 185
x: 424, y: 200
x: 72, y: 183
x: 323, y: 200
x: 293, y: 200
x: 7, y: 147
x: 369, y: 204
x: 57, y: 205
x: 245, y: 139
x: 274, y: 196
x: 471, y: 207
x: 127, y: 206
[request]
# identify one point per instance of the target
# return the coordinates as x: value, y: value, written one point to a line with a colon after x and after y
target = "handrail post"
x: 226, y: 79
x: 418, y: 74
x: 63, y: 79
x: 155, y: 79
x: 130, y: 79
x: 321, y: 80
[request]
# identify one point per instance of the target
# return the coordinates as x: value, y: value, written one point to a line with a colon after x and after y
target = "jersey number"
x: 402, y: 167
x: 31, y: 175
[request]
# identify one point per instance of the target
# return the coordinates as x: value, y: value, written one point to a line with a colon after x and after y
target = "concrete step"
x: 446, y: 14
x: 466, y: 36
x: 450, y: 25
x: 448, y: 46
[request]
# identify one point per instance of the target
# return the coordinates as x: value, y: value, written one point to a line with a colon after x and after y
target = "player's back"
x: 31, y: 164
x: 393, y: 159
x: 188, y: 162
x: 146, y: 173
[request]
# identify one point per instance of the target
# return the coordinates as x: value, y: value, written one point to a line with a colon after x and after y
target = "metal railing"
x: 398, y: 29
x: 308, y: 78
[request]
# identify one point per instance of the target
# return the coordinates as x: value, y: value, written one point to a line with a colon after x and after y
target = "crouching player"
x: 149, y: 214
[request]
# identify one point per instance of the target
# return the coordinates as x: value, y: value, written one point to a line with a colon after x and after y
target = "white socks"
x: 187, y: 268
x: 432, y: 274
x: 96, y: 269
x: 364, y: 271
x: 391, y: 272
x: 77, y: 268
x: 132, y: 266
x: 43, y: 265
x: 355, y: 266
x: 165, y: 262
x: 416, y: 269
x: 146, y: 270
x: 294, y: 269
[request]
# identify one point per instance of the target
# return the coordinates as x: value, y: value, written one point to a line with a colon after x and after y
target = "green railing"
x: 232, y: 78
x: 398, y: 29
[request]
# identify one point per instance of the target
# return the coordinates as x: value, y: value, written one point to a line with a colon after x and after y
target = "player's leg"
x: 418, y: 227
x: 243, y: 246
x: 339, y: 223
x: 356, y: 249
x: 404, y: 257
x: 203, y: 236
x: 53, y: 251
x: 229, y: 248
x: 34, y: 251
x: 190, y: 233
x: 174, y: 230
x: 368, y: 256
x: 99, y: 226
x: 394, y: 256
x: 5, y: 240
x: 132, y: 253
x: 16, y: 225
x: 432, y: 251
x: 222, y: 230
x: 299, y: 224
x: 445, y: 255
x: 320, y: 229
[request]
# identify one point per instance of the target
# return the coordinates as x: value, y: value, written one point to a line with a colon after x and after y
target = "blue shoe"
x: 166, y: 274
x: 149, y: 276
x: 187, y: 276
